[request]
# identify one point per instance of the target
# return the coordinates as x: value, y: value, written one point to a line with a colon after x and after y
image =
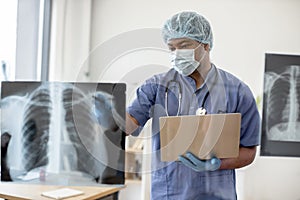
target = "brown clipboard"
x: 203, y: 135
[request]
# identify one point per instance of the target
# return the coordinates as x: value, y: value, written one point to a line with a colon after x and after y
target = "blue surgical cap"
x: 188, y: 25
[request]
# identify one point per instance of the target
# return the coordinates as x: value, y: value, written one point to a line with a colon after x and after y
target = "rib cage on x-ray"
x: 36, y: 129
x: 283, y: 95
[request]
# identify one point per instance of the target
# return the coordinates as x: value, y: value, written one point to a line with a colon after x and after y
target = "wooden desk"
x: 17, y: 191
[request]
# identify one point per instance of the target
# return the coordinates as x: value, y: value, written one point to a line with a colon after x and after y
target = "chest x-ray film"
x: 62, y: 133
x: 203, y: 135
x: 281, y: 106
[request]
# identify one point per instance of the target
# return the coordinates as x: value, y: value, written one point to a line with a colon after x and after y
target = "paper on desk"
x: 29, y: 176
x: 204, y: 135
x: 62, y: 193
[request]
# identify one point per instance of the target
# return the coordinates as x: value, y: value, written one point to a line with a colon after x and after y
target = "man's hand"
x: 104, y: 106
x: 193, y: 162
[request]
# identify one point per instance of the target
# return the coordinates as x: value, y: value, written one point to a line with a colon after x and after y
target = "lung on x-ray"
x: 63, y: 133
x: 281, y: 106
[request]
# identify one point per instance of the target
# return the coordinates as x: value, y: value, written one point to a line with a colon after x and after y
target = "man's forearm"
x: 246, y: 157
x: 131, y: 124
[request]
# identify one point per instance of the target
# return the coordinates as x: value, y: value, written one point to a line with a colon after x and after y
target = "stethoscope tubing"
x: 179, y: 96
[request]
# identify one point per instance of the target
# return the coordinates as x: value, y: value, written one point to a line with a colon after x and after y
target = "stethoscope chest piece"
x: 201, y: 111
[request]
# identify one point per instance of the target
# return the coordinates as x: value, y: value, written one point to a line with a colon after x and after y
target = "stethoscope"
x: 199, y: 111
x: 179, y: 96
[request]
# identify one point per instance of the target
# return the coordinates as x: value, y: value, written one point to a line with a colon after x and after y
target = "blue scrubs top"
x: 221, y: 92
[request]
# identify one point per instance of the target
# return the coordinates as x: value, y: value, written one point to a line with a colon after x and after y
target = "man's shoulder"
x: 232, y: 81
x: 229, y: 77
x: 162, y: 76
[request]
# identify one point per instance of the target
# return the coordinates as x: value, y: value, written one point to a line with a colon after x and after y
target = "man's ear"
x: 206, y: 47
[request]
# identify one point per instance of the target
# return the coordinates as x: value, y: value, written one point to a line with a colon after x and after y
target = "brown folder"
x: 203, y: 135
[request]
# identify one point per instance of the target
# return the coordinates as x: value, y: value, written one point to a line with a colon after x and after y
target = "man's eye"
x: 184, y: 46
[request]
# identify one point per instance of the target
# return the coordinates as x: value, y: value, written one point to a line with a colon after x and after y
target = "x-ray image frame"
x: 281, y: 106
x: 71, y: 131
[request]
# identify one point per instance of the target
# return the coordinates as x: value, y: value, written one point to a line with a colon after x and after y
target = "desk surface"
x: 17, y: 191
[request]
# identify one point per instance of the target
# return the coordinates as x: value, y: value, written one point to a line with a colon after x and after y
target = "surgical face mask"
x: 183, y: 61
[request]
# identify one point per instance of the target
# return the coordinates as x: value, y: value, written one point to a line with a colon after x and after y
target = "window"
x: 8, y: 24
x: 24, y: 39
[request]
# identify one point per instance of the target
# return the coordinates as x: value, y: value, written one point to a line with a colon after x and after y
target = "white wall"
x: 244, y: 31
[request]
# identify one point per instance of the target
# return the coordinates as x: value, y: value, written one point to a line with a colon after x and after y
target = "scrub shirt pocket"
x: 222, y: 184
x: 159, y: 186
x: 218, y: 184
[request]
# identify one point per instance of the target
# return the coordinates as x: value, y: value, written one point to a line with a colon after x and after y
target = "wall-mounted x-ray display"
x: 281, y: 106
x: 63, y: 133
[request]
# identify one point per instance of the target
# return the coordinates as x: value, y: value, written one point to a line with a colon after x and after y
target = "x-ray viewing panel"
x: 281, y: 106
x: 63, y: 133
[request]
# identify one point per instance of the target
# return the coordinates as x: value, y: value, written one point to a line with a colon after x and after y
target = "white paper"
x: 62, y: 193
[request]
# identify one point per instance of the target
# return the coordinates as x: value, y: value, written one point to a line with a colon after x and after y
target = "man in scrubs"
x: 194, y: 84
